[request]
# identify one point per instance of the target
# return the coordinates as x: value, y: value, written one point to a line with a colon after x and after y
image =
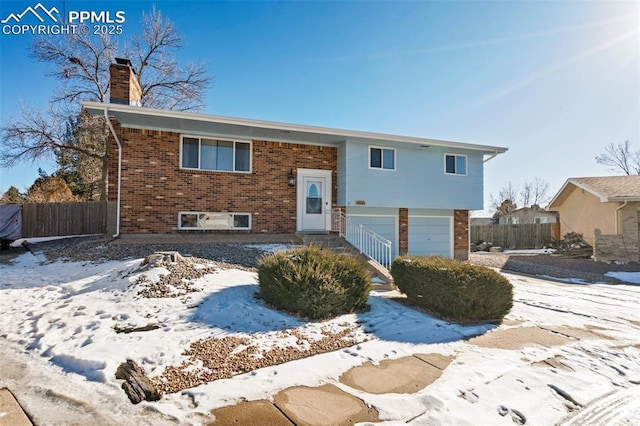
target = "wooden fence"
x: 59, y: 219
x: 524, y: 236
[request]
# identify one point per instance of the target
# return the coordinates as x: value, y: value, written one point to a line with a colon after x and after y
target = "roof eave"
x: 555, y: 197
x: 621, y: 199
x: 99, y: 108
x: 603, y: 198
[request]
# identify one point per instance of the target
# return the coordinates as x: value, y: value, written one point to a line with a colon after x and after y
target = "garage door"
x: 383, y: 225
x: 430, y: 236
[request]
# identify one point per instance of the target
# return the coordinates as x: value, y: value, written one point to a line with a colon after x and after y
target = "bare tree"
x: 526, y: 193
x: 508, y: 192
x: 621, y: 157
x: 81, y: 65
x: 534, y: 193
x: 164, y: 82
x: 37, y: 135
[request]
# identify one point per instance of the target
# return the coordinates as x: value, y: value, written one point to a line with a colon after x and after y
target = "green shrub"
x: 314, y: 283
x: 453, y: 289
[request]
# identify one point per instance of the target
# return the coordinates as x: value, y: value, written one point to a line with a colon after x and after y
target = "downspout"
x: 115, y: 136
x: 617, y: 215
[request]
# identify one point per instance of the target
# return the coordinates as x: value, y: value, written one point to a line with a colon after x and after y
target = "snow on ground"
x: 569, y: 280
x: 271, y: 248
x: 530, y: 251
x: 59, y: 318
x: 630, y: 277
x: 33, y: 240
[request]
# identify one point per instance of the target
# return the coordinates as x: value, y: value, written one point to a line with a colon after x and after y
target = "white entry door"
x: 314, y: 200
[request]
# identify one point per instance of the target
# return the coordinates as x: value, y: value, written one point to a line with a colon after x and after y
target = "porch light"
x: 291, y: 177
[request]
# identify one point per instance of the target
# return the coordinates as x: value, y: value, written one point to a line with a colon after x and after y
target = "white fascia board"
x: 603, y: 198
x: 555, y: 197
x: 344, y: 134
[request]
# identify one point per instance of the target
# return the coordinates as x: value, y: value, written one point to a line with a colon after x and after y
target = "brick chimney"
x: 124, y: 87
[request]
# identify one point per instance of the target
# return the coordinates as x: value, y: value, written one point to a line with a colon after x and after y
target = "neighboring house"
x: 185, y: 172
x: 479, y: 221
x: 528, y: 215
x: 605, y: 210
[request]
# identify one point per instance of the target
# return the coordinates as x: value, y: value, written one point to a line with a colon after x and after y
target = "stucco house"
x: 605, y: 210
x: 173, y: 172
x: 528, y: 215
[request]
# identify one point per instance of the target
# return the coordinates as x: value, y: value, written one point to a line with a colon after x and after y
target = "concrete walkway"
x: 330, y: 405
x: 11, y: 413
x: 333, y: 404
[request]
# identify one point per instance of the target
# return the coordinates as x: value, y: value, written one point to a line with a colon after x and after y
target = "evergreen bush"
x: 314, y: 283
x: 452, y: 289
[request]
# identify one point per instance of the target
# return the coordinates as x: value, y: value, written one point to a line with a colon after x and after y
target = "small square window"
x: 382, y: 158
x: 241, y: 221
x: 188, y: 220
x: 455, y: 164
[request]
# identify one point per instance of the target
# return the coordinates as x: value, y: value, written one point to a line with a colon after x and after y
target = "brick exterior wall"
x: 154, y: 188
x: 124, y: 87
x: 461, y: 234
x: 403, y: 231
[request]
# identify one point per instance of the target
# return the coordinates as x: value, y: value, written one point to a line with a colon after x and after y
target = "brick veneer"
x: 403, y: 231
x: 124, y: 87
x: 461, y: 234
x: 154, y: 188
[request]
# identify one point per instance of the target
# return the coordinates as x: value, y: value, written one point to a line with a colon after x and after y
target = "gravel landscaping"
x: 100, y: 248
x: 552, y: 265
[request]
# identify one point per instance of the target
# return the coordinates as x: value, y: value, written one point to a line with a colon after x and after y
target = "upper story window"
x: 382, y: 158
x: 215, y: 154
x: 455, y: 164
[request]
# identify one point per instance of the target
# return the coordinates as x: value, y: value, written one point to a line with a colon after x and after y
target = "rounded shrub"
x: 314, y: 283
x: 453, y: 289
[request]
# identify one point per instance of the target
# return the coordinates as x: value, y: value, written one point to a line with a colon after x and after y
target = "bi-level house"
x: 173, y: 172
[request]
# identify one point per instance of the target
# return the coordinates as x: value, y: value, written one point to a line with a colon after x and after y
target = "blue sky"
x: 555, y: 82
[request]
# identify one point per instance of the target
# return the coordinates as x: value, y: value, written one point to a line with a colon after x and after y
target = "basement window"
x: 215, y: 154
x: 214, y: 221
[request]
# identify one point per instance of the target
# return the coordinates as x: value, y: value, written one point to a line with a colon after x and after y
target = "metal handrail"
x: 368, y: 242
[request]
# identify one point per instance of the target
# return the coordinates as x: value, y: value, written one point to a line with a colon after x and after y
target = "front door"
x: 314, y: 200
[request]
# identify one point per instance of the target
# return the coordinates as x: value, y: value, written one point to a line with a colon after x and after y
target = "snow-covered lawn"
x: 60, y: 319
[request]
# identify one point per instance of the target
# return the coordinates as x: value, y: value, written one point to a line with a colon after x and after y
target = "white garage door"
x: 430, y: 236
x: 383, y: 225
